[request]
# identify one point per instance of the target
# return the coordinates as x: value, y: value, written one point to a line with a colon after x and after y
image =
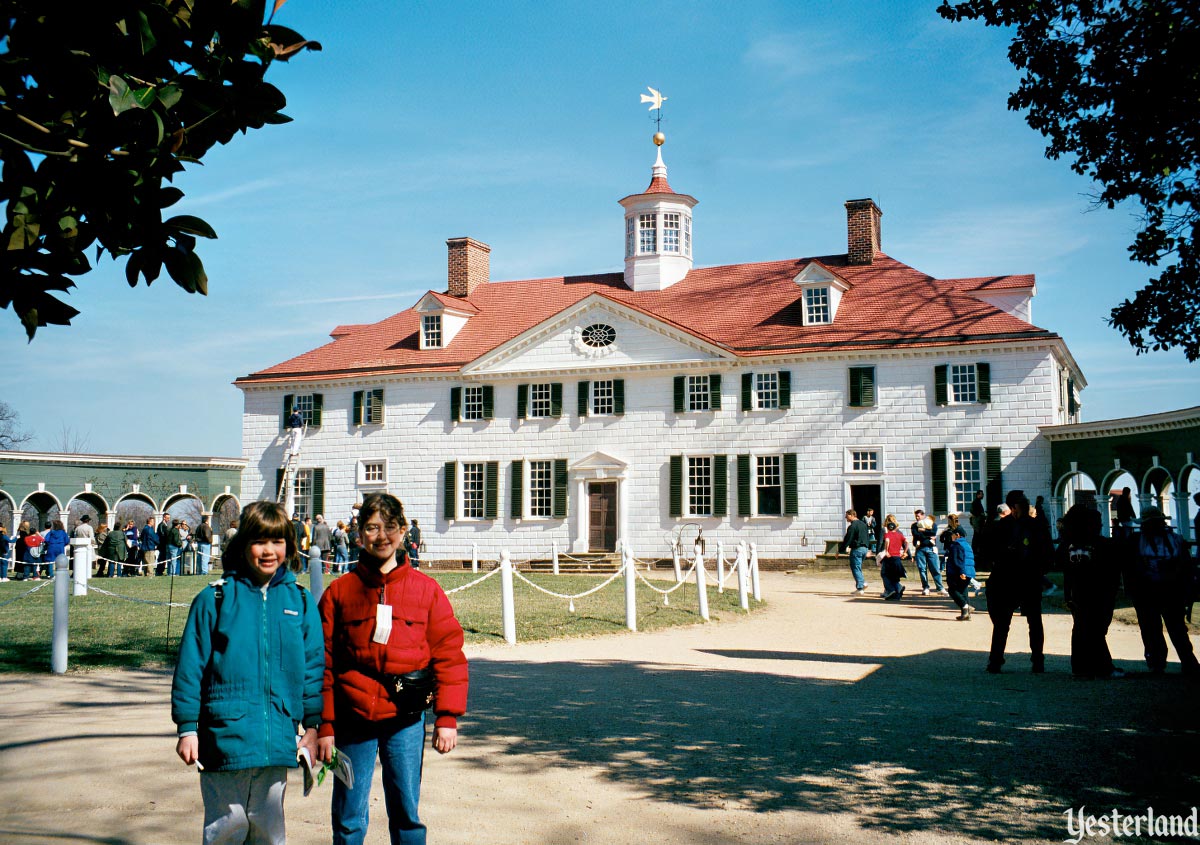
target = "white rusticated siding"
x: 418, y: 438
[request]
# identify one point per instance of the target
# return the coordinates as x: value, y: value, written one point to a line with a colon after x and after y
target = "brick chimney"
x: 468, y: 265
x: 862, y: 231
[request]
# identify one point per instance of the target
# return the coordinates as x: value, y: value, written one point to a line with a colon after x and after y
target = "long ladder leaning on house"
x: 289, y: 467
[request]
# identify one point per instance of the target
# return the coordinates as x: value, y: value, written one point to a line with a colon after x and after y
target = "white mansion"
x: 758, y: 401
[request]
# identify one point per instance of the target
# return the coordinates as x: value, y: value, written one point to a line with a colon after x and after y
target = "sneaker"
x: 864, y: 587
x: 993, y: 669
x: 942, y: 591
x: 925, y: 591
x: 1051, y: 590
x: 1038, y: 669
x: 901, y: 594
x: 891, y: 596
x: 860, y: 591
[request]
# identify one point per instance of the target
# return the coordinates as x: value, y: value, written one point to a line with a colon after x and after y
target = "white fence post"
x: 754, y: 572
x: 58, y: 645
x: 675, y: 562
x: 630, y: 590
x: 720, y: 567
x: 554, y: 558
x: 316, y: 573
x: 474, y: 557
x: 701, y: 587
x: 742, y: 573
x: 82, y: 558
x: 508, y: 612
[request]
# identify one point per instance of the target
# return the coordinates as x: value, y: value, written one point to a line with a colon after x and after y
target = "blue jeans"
x: 927, y: 558
x: 173, y: 555
x: 203, y: 552
x: 400, y: 744
x: 856, y: 561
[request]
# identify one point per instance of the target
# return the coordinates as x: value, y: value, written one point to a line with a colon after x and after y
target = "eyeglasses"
x: 374, y: 529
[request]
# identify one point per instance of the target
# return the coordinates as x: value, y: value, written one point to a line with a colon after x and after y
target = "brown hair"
x: 384, y: 504
x: 259, y: 521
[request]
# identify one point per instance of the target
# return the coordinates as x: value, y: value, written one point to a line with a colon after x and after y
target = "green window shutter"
x: 489, y: 405
x: 377, y: 406
x: 456, y: 404
x: 556, y: 399
x: 995, y: 481
x: 318, y: 406
x: 1072, y: 407
x: 516, y: 488
x: 318, y: 491
x: 358, y: 403
x: 560, y: 489
x: 449, y: 491
x: 491, y: 496
x: 720, y: 485
x: 680, y: 394
x: 619, y: 396
x: 867, y: 386
x: 743, y: 485
x: 791, y: 491
x: 288, y: 399
x: 714, y: 392
x: 747, y: 391
x: 983, y: 383
x: 676, y: 498
x: 940, y: 392
x: 584, y: 389
x: 278, y: 484
x: 785, y: 388
x: 855, y: 387
x: 937, y: 466
x: 522, y: 400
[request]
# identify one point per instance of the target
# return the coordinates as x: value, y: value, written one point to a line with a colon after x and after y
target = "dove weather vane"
x: 655, y: 99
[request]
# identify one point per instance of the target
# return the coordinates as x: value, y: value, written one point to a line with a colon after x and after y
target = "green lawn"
x: 107, y: 632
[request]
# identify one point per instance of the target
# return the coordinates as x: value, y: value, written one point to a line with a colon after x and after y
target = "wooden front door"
x: 602, y: 516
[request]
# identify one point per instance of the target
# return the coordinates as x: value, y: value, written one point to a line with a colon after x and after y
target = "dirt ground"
x: 826, y: 718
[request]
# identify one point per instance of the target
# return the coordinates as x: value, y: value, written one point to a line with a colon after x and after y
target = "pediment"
x: 816, y: 273
x: 599, y: 461
x: 563, y: 343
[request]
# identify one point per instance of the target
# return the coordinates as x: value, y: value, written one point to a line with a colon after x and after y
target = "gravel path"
x: 825, y: 718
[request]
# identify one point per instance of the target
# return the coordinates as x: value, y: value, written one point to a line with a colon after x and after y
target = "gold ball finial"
x: 659, y: 138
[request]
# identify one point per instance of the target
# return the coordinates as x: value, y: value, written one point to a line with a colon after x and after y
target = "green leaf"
x: 167, y: 197
x: 120, y: 97
x: 134, y: 266
x: 190, y: 225
x: 187, y: 270
x: 169, y: 95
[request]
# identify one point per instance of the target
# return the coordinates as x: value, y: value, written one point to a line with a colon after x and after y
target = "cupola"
x: 658, y: 232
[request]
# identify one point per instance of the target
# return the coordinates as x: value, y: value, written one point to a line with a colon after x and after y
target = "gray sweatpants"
x: 244, y: 807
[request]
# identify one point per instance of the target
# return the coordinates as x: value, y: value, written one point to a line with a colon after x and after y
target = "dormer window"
x: 630, y: 237
x: 431, y: 331
x: 442, y: 317
x: 821, y: 292
x: 816, y: 306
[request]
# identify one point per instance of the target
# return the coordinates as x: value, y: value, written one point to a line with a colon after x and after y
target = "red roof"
x: 748, y: 309
x: 456, y: 302
x: 658, y: 185
x: 988, y: 284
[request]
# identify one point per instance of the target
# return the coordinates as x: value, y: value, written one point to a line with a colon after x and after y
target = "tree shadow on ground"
x: 918, y: 743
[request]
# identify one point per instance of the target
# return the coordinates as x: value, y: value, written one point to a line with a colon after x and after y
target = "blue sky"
x: 519, y: 124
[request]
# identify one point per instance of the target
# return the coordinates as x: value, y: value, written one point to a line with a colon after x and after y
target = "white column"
x: 580, y: 543
x: 742, y: 573
x: 630, y: 590
x: 554, y: 560
x: 58, y: 644
x: 701, y: 586
x: 82, y: 562
x: 754, y: 572
x: 720, y: 567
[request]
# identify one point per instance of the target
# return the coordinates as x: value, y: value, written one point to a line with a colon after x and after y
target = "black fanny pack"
x: 412, y: 692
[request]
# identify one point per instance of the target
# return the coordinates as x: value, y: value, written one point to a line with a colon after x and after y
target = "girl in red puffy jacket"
x: 383, y: 620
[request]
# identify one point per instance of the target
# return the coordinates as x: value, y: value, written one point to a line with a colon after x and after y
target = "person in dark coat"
x: 1091, y: 577
x: 1020, y: 552
x: 1160, y: 578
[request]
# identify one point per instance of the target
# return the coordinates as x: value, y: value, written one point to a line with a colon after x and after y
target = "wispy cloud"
x: 791, y: 55
x: 251, y: 187
x: 367, y: 297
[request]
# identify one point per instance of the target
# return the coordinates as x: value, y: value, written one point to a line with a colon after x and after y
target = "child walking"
x: 250, y: 669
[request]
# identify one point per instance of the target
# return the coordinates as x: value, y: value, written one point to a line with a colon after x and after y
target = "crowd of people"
x: 348, y: 679
x: 1144, y: 556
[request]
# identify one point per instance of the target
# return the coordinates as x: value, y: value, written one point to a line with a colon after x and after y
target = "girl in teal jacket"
x: 250, y: 669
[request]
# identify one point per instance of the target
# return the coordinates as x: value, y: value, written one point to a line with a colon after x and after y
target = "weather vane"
x: 655, y: 99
